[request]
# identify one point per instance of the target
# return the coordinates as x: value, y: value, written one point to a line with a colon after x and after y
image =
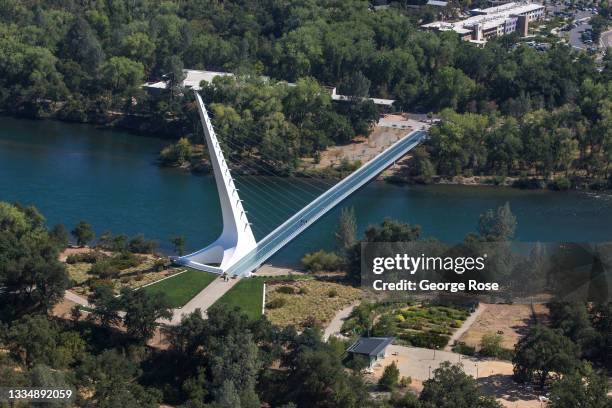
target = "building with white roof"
x: 492, y: 22
x: 194, y: 77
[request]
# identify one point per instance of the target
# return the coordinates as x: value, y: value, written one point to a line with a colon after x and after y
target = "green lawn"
x: 247, y: 295
x: 180, y: 289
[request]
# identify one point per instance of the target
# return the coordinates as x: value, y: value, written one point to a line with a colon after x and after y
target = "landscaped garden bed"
x: 413, y: 324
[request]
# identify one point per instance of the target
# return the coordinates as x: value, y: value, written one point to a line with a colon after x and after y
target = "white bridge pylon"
x: 236, y: 239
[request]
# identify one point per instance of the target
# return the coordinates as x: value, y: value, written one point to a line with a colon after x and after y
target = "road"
x: 284, y: 233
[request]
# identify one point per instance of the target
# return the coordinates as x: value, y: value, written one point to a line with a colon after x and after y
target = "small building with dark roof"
x: 373, y: 348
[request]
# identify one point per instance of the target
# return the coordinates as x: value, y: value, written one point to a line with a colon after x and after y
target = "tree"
x: 138, y: 47
x: 106, y: 306
x: 346, y: 230
x: 356, y: 85
x: 33, y: 339
x: 31, y: 276
x: 499, y: 225
x: 491, y: 345
x: 450, y: 387
x: 112, y: 378
x: 541, y: 352
x: 122, y: 75
x: 42, y: 376
x: 452, y: 88
x: 83, y: 233
x: 582, y: 388
x: 388, y: 381
x: 142, y: 311
x: 83, y: 46
x: 420, y: 168
x: 179, y: 244
x: 59, y: 236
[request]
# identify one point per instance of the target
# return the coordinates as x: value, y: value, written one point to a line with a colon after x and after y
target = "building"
x: 372, y: 348
x: 487, y: 23
x: 194, y: 77
x: 192, y: 80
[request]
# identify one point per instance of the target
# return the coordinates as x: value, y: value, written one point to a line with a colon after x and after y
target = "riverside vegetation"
x: 229, y: 360
x: 514, y: 111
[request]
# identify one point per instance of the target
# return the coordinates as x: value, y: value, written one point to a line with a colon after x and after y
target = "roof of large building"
x: 370, y: 346
x: 193, y: 77
x: 487, y: 18
x: 437, y: 3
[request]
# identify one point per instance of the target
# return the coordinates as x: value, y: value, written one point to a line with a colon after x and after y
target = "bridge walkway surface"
x: 291, y: 228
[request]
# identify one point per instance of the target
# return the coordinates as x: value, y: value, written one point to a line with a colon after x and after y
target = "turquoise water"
x: 109, y: 178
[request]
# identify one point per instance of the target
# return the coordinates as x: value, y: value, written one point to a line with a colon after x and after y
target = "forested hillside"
x: 85, y: 60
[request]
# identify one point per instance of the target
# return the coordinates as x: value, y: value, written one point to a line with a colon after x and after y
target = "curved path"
x: 333, y: 329
x: 465, y: 326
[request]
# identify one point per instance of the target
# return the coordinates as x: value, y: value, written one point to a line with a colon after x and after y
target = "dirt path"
x: 73, y: 297
x: 333, y: 329
x: 465, y: 326
x: 271, y: 270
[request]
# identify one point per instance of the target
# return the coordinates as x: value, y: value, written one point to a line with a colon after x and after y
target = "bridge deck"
x: 284, y: 233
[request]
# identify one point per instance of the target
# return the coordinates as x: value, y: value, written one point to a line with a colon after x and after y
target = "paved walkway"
x: 465, y: 326
x: 333, y: 329
x: 76, y: 298
x: 203, y: 300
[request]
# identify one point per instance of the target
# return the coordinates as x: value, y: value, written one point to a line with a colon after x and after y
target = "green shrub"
x: 490, y: 345
x: 176, y: 154
x: 464, y: 349
x: 456, y: 324
x: 160, y: 264
x: 322, y: 261
x: 276, y: 303
x: 404, y: 382
x: 560, y: 184
x: 87, y: 257
x: 140, y: 245
x: 110, y: 266
x: 302, y: 291
x: 332, y: 293
x: 390, y: 377
x: 425, y: 339
x: 528, y: 183
x: 104, y: 269
x: 288, y: 290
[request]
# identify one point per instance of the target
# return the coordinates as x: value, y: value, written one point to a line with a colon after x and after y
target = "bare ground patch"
x: 511, y: 321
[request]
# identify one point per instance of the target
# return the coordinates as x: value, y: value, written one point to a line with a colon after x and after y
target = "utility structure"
x: 236, y: 239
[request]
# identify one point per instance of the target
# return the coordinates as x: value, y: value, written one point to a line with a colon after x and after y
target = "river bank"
x: 110, y: 179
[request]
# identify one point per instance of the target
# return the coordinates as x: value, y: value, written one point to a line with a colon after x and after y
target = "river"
x: 109, y: 178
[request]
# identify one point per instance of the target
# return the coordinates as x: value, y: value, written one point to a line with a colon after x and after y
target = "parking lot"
x: 578, y: 26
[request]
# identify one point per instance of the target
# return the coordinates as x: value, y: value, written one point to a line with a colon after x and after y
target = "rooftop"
x: 370, y: 346
x: 193, y: 77
x: 437, y: 3
x: 487, y: 18
x: 192, y: 80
